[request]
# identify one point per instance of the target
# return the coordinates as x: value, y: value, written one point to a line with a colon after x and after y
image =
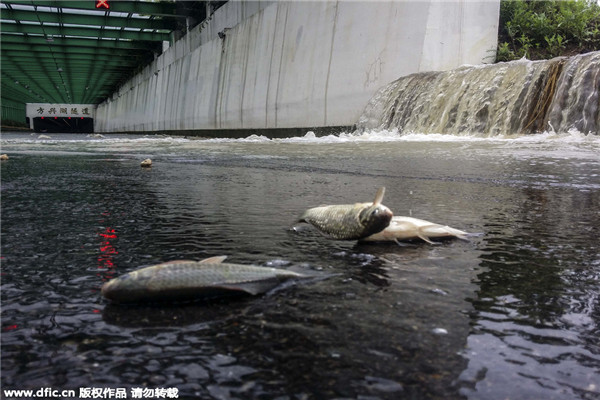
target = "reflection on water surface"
x: 512, y: 313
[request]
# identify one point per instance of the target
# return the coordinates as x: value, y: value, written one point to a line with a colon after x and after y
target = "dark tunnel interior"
x: 63, y: 125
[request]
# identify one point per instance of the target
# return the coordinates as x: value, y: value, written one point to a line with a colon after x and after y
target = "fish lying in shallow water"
x: 407, y: 228
x: 350, y: 221
x: 189, y: 280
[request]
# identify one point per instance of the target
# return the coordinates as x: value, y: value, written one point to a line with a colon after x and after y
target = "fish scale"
x: 194, y: 273
x: 338, y: 221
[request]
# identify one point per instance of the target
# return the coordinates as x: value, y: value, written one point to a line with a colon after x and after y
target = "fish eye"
x: 375, y: 212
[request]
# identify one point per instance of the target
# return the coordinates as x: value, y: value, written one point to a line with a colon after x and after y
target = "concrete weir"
x: 285, y: 65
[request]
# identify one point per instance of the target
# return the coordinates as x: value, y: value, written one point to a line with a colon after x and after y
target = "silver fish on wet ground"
x: 189, y: 280
x: 408, y: 228
x: 350, y: 221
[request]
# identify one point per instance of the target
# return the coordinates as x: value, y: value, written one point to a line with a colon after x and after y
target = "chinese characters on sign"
x: 64, y: 111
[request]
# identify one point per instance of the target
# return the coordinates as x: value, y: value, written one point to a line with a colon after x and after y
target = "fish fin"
x: 456, y: 233
x: 423, y: 237
x: 303, y: 217
x: 379, y: 196
x: 436, y: 230
x: 252, y: 288
x: 266, y: 285
x: 459, y: 234
x: 213, y: 260
x: 399, y: 243
x: 174, y: 262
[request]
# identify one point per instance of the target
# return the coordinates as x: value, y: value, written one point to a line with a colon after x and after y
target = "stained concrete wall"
x: 297, y: 64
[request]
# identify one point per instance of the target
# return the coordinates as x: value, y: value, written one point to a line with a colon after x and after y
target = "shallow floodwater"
x: 513, y: 313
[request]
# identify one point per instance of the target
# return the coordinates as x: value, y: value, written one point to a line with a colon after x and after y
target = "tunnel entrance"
x: 63, y: 125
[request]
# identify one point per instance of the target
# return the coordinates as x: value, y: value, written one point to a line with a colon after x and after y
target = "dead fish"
x: 4, y: 157
x: 350, y: 221
x: 188, y: 280
x: 147, y: 163
x: 407, y: 228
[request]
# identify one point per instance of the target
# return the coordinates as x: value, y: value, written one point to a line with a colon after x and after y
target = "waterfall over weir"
x: 507, y: 98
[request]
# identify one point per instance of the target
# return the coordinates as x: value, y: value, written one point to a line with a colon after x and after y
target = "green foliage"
x: 546, y: 29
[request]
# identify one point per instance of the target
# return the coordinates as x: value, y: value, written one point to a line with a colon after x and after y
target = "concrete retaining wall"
x: 297, y: 64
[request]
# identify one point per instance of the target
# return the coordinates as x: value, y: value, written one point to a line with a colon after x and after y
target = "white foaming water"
x: 393, y: 135
x: 520, y: 96
x: 573, y: 136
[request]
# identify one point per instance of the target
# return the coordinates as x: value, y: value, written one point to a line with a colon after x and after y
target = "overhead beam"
x: 66, y: 50
x: 28, y: 75
x: 166, y: 9
x: 88, y: 20
x: 34, y: 79
x: 85, y: 32
x: 77, y: 42
x: 11, y: 92
x: 42, y: 65
x: 105, y: 59
x: 27, y: 84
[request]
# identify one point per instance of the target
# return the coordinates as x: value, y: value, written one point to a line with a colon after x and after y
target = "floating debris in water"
x: 4, y: 157
x: 278, y: 263
x: 44, y: 137
x: 439, y: 331
x: 147, y: 163
x: 382, y: 385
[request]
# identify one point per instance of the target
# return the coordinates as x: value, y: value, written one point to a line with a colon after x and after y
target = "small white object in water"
x: 44, y: 137
x: 4, y: 157
x: 439, y: 291
x: 147, y: 163
x: 439, y: 331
